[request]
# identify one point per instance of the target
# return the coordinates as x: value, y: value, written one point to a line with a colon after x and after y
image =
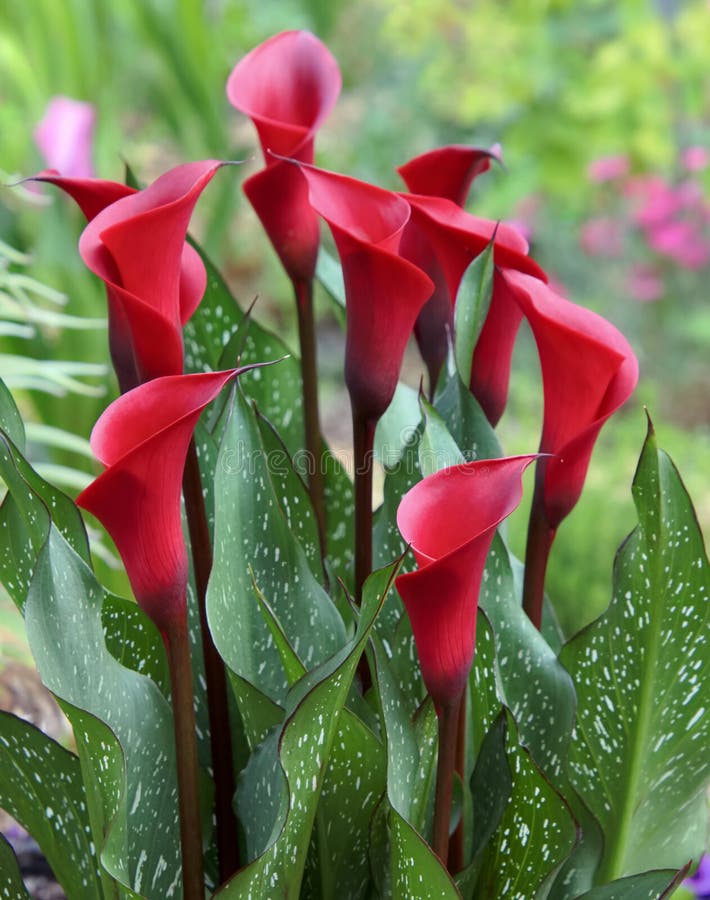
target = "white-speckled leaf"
x: 535, y: 835
x: 41, y: 787
x: 24, y: 520
x: 640, y: 756
x: 466, y: 421
x: 531, y: 681
x: 397, y: 426
x: 416, y: 870
x: 354, y: 784
x: 134, y: 640
x: 65, y: 632
x: 472, y: 303
x: 10, y: 419
x: 11, y: 884
x: 313, y: 709
x: 252, y: 532
x: 655, y: 885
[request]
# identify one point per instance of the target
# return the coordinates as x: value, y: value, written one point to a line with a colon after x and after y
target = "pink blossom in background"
x: 645, y: 284
x: 602, y: 236
x: 65, y: 136
x: 653, y: 200
x: 608, y: 168
x: 682, y: 242
x: 524, y: 215
x: 695, y: 159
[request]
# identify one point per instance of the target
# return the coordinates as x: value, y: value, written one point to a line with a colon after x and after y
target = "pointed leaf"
x: 11, y: 884
x: 65, y: 632
x: 41, y: 787
x: 313, y: 710
x: 641, y: 670
x: 472, y: 302
x: 655, y: 885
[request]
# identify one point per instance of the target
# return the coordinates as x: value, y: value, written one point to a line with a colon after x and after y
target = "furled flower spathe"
x: 449, y: 520
x: 287, y: 86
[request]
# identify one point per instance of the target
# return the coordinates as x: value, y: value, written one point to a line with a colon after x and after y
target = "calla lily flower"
x: 93, y: 196
x: 588, y: 370
x: 154, y: 279
x: 65, y: 136
x: 456, y: 238
x: 384, y: 292
x: 449, y: 520
x: 287, y: 86
x: 142, y: 439
x: 447, y: 171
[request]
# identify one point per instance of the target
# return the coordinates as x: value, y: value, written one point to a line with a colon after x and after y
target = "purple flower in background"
x: 65, y: 136
x: 700, y: 882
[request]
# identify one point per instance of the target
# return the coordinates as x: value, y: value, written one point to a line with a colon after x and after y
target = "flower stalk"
x: 448, y: 715
x: 215, y: 672
x: 178, y: 646
x: 309, y: 379
x: 363, y: 442
x: 539, y: 543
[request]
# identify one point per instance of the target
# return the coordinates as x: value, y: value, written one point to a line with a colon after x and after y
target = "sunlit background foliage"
x: 560, y: 85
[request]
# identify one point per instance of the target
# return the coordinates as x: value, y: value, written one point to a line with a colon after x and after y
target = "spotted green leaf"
x: 10, y: 418
x: 41, y: 787
x: 11, y: 884
x: 466, y: 421
x: 302, y: 751
x: 472, y: 302
x: 655, y: 885
x: 536, y: 832
x: 641, y: 671
x: 252, y: 531
x: 122, y: 723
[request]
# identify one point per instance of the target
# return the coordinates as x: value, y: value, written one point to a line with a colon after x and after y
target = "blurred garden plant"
x: 311, y: 698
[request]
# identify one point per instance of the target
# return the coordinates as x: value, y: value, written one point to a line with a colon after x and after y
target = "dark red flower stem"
x: 177, y: 643
x: 455, y: 862
x: 215, y: 673
x: 363, y: 442
x: 540, y: 539
x: 309, y: 375
x: 448, y: 729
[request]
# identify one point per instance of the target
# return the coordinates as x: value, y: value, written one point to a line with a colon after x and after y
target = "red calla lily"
x: 447, y: 171
x: 589, y: 371
x: 456, y: 238
x: 384, y: 292
x: 449, y: 520
x: 93, y: 196
x: 287, y: 86
x: 444, y: 172
x: 142, y: 439
x: 154, y: 279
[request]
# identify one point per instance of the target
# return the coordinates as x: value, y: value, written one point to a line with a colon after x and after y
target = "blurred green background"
x: 561, y: 85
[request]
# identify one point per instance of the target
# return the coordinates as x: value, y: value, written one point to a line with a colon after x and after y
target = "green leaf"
x: 437, y: 449
x: 134, y: 640
x: 653, y: 885
x: 11, y: 884
x: 466, y: 421
x: 417, y: 871
x: 535, y: 835
x: 41, y: 787
x: 531, y: 681
x: 25, y: 520
x: 122, y: 724
x: 252, y: 530
x: 397, y: 427
x: 353, y: 786
x: 641, y: 671
x: 10, y: 418
x: 303, y: 749
x: 472, y: 302
x: 329, y: 274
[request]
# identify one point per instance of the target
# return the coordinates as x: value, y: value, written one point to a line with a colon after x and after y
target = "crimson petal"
x: 384, y: 292
x: 287, y: 86
x: 154, y: 279
x: 589, y: 371
x: 449, y: 520
x: 447, y: 171
x: 142, y: 438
